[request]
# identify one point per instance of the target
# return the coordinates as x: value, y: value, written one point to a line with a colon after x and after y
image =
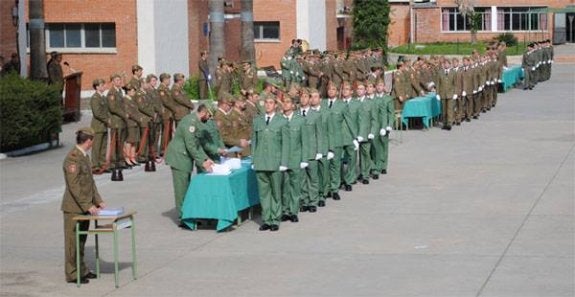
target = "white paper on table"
x: 116, y: 211
x: 220, y: 169
x: 233, y: 163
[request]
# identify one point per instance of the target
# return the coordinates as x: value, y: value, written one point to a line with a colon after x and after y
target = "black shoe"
x: 360, y: 178
x: 448, y: 128
x: 375, y: 176
x: 384, y: 171
x: 285, y: 217
x: 312, y: 208
x: 365, y: 182
x: 274, y: 228
x: 294, y: 219
x: 265, y: 227
x: 328, y: 195
x: 458, y: 123
x: 335, y: 196
x: 83, y: 280
x: 348, y: 188
x: 321, y: 204
x: 304, y: 209
x: 467, y: 119
x: 90, y: 275
x: 475, y: 117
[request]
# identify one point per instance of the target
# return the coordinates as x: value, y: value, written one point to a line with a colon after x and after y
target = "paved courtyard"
x: 486, y: 209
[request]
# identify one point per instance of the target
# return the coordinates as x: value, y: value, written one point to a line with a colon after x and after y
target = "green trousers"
x: 350, y: 158
x: 376, y: 154
x: 448, y: 110
x: 335, y: 170
x: 99, y: 149
x: 270, y: 190
x: 181, y: 181
x: 70, y: 246
x: 364, y: 158
x: 291, y: 193
x: 324, y: 183
x: 310, y: 188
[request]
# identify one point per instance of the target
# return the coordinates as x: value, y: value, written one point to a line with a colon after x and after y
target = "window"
x: 453, y: 20
x: 81, y: 36
x: 521, y: 19
x: 267, y: 30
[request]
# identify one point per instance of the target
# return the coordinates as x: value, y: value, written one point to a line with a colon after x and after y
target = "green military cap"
x: 136, y: 67
x: 165, y: 76
x: 86, y: 130
x: 97, y: 82
x: 115, y: 75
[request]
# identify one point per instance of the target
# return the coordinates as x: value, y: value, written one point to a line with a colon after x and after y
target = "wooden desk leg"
x: 133, y: 249
x: 116, y: 255
x: 77, y: 231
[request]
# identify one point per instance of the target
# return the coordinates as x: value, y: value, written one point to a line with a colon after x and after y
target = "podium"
x: 73, y: 87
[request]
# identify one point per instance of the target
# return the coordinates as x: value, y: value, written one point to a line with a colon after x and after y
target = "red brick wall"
x: 270, y: 53
x: 197, y: 15
x: 123, y: 13
x: 7, y: 30
x: 398, y: 29
x: 331, y: 25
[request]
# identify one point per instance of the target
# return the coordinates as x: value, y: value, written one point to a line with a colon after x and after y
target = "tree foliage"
x: 370, y: 23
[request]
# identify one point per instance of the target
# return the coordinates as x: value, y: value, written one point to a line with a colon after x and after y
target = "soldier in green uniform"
x: 136, y: 120
x: 100, y: 122
x: 185, y: 149
x: 205, y: 76
x: 118, y: 117
x: 528, y: 64
x: 156, y: 123
x: 350, y: 150
x: 224, y: 121
x: 322, y: 148
x: 386, y: 113
x: 363, y: 120
x: 311, y: 133
x: 183, y: 106
x: 146, y: 107
x: 137, y: 72
x: 458, y: 89
x: 80, y: 197
x: 446, y: 93
x: 291, y: 192
x: 467, y: 89
x: 270, y: 160
x: 248, y: 77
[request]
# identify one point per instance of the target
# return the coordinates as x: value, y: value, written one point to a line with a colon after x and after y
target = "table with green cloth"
x: 426, y: 107
x: 220, y: 197
x: 511, y: 76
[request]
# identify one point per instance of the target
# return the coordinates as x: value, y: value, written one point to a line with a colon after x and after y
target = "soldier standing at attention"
x: 311, y: 131
x: 322, y: 147
x: 270, y: 160
x: 224, y: 121
x: 167, y: 115
x: 100, y: 122
x: 387, y: 115
x: 80, y: 197
x: 119, y: 117
x: 351, y: 145
x: 248, y: 77
x: 241, y: 126
x: 205, y: 76
x: 55, y: 73
x: 291, y: 193
x: 184, y: 150
x: 363, y: 120
x: 182, y: 104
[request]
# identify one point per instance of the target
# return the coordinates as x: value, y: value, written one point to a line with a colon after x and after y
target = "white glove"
x: 303, y: 165
x: 291, y: 71
x: 303, y: 77
x: 499, y: 80
x: 209, y: 77
x: 382, y: 132
x: 253, y: 167
x: 505, y: 68
x: 283, y: 168
x: 532, y: 68
x: 330, y: 155
x: 360, y: 139
x: 549, y: 61
x: 388, y: 128
x: 355, y: 145
x: 464, y: 94
x: 370, y: 136
x: 474, y: 92
x: 318, y: 156
x: 454, y: 96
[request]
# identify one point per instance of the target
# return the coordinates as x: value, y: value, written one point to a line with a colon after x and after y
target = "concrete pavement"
x: 486, y: 209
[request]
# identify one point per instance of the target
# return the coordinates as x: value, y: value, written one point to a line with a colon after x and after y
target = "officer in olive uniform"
x: 55, y: 72
x: 241, y: 126
x: 183, y: 105
x: 80, y: 197
x: 185, y: 149
x: 137, y: 72
x: 100, y: 122
x: 270, y: 160
x: 167, y: 114
x: 446, y: 93
x: 248, y: 77
x: 118, y: 132
x: 205, y: 76
x: 136, y: 120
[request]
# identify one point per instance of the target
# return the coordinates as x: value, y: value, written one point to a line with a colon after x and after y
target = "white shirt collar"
x: 82, y: 150
x: 223, y: 111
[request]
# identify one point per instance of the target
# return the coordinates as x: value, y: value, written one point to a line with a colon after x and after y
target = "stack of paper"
x: 220, y: 169
x: 233, y: 163
x: 111, y: 211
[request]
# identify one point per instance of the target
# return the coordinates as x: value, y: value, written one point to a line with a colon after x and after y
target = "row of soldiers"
x: 304, y: 148
x: 136, y: 114
x: 536, y: 63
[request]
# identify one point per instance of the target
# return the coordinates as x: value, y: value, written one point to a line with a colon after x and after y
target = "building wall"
x: 99, y: 65
x: 197, y: 16
x: 7, y: 30
x: 331, y: 25
x: 270, y: 53
x: 398, y: 30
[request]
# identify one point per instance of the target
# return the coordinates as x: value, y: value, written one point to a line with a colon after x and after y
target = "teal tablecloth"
x: 511, y: 76
x: 220, y: 197
x: 426, y: 107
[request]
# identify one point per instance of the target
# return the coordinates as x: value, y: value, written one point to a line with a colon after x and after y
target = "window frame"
x: 524, y: 14
x: 454, y: 15
x: 258, y: 34
x: 83, y: 41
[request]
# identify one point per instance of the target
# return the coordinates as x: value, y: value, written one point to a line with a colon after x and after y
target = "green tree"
x: 370, y: 22
x: 467, y: 8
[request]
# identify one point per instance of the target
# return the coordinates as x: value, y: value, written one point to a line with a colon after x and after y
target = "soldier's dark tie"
x: 303, y: 112
x: 330, y: 103
x: 267, y: 120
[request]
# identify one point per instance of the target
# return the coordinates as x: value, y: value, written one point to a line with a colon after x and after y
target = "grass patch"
x: 447, y: 48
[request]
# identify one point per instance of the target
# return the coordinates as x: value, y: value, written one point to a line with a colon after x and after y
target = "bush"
x: 192, y: 88
x: 509, y: 38
x: 30, y: 112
